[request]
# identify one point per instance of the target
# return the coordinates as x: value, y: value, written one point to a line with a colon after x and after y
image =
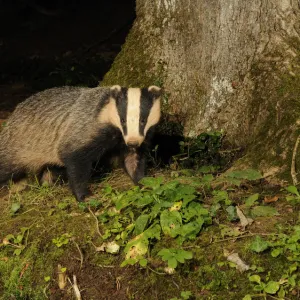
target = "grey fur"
x: 53, y: 127
x: 46, y: 123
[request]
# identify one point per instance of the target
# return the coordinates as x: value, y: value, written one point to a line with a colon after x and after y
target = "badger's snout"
x: 133, y: 144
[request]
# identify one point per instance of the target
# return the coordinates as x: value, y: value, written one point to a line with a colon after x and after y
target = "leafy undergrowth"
x: 181, y: 235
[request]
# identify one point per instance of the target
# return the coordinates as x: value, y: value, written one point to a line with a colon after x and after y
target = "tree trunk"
x: 227, y: 65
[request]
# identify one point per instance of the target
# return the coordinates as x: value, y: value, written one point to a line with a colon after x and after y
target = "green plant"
x: 18, y: 241
x: 61, y: 240
x: 174, y: 256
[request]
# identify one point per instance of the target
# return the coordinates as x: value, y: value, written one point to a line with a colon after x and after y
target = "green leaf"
x: 170, y: 222
x: 153, y: 232
x: 184, y: 254
x: 231, y: 213
x: 172, y: 262
x: 129, y: 261
x: 47, y: 278
x: 281, y: 293
x: 136, y: 247
x: 17, y: 252
x: 250, y: 201
x: 145, y: 200
x: 247, y: 297
x: 193, y: 210
x: 221, y: 196
x: 152, y: 182
x: 254, y: 278
x: 143, y: 262
x: 259, y: 245
x: 173, y: 256
x: 293, y: 190
x: 264, y: 211
x: 15, y: 207
x: 191, y: 229
x: 186, y: 295
x: 140, y: 224
x: 272, y: 287
x: 276, y: 252
x: 249, y: 174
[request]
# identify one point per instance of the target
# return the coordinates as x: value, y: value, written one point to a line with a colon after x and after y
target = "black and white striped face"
x: 138, y: 110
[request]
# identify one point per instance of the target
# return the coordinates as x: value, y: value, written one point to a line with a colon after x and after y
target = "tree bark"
x: 228, y: 65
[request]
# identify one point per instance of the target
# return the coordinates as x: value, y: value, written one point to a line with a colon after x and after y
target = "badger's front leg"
x: 135, y: 163
x: 79, y: 173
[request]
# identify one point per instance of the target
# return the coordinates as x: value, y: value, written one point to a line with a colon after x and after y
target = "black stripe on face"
x: 147, y: 99
x: 121, y: 103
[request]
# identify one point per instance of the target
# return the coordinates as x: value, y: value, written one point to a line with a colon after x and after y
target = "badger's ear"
x: 115, y: 90
x: 155, y: 90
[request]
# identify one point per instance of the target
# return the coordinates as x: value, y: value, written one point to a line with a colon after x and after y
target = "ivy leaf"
x: 272, y: 287
x: 170, y: 222
x: 137, y: 247
x: 140, y: 224
x: 264, y: 211
x: 247, y: 297
x: 259, y: 245
x: 145, y: 200
x: 249, y: 174
x: 151, y: 182
x: 293, y: 190
x: 250, y: 201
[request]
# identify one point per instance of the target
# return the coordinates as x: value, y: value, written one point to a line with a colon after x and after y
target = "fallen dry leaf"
x: 4, y: 258
x: 234, y: 257
x: 109, y: 247
x: 244, y: 220
x: 270, y: 200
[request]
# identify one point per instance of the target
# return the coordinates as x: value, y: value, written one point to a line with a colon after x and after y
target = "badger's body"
x: 73, y: 127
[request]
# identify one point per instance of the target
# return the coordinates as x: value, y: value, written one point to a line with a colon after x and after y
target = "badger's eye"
x: 143, y: 122
x: 122, y: 120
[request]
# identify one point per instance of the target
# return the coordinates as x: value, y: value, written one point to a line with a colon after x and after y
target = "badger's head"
x: 135, y: 112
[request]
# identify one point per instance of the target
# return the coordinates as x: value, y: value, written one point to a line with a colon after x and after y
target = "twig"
x: 175, y: 284
x: 80, y: 253
x: 97, y: 222
x: 62, y: 280
x: 118, y: 283
x: 158, y: 273
x: 293, y: 166
x: 45, y: 290
x: 75, y: 287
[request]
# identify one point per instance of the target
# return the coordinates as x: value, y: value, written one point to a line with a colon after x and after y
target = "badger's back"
x: 34, y: 132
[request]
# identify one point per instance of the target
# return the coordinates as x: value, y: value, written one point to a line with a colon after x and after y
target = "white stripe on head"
x: 154, y: 115
x: 109, y: 115
x: 133, y: 116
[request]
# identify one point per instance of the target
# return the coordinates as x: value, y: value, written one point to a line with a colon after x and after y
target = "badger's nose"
x: 133, y: 144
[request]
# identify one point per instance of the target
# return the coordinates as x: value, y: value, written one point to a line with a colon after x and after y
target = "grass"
x: 43, y: 227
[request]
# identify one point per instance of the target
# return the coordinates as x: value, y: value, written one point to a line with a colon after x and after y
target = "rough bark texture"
x: 227, y: 65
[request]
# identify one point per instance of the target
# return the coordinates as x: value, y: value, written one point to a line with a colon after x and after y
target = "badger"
x: 72, y: 127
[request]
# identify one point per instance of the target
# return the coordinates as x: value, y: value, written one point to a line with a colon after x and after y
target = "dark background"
x: 61, y: 42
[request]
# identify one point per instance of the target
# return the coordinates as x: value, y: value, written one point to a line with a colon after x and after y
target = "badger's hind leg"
x: 10, y: 172
x: 12, y: 177
x: 51, y: 175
